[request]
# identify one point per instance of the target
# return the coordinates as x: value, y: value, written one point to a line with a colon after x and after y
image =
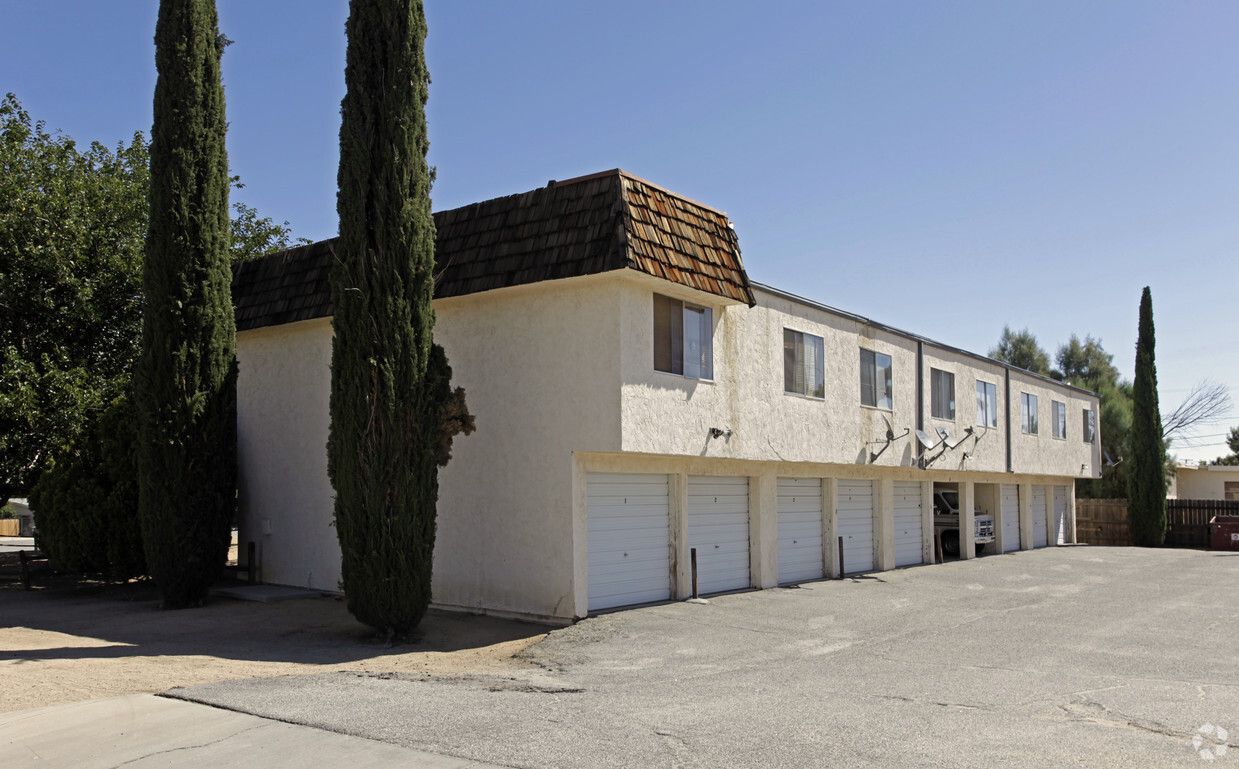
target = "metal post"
x: 692, y: 554
x: 842, y: 570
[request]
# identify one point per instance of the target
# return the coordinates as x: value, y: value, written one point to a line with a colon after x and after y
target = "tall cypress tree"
x: 385, y: 415
x: 185, y: 379
x: 1146, y: 481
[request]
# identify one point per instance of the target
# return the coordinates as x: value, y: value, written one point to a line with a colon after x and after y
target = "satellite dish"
x: 925, y: 440
x: 944, y: 434
x: 890, y: 431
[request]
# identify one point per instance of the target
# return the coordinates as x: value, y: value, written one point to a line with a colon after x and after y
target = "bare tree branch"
x: 1208, y: 403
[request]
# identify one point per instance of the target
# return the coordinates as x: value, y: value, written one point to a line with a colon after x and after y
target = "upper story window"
x: 683, y: 338
x: 804, y: 369
x: 1028, y: 413
x: 942, y: 397
x: 875, y: 380
x: 1090, y: 426
x: 987, y: 404
x: 1059, y: 412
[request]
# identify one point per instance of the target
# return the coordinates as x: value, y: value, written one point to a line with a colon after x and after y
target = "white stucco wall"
x: 285, y: 498
x: 985, y: 450
x: 560, y: 377
x: 1042, y: 453
x: 539, y: 368
x: 1206, y: 482
x: 669, y: 414
x: 541, y: 378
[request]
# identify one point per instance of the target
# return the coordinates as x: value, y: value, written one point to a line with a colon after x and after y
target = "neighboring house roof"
x: 593, y: 224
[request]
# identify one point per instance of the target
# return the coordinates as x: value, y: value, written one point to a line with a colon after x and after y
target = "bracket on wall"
x: 945, y: 443
x: 889, y: 438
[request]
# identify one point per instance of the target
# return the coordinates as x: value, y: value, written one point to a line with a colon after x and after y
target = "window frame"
x: 935, y: 375
x: 1090, y: 426
x: 872, y: 390
x: 987, y: 394
x: 1029, y: 422
x: 1058, y: 419
x: 691, y: 319
x: 798, y: 364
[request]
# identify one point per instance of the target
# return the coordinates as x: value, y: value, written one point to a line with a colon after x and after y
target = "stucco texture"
x: 560, y: 377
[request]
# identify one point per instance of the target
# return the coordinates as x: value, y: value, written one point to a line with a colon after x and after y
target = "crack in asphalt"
x: 1119, y: 720
x: 915, y: 701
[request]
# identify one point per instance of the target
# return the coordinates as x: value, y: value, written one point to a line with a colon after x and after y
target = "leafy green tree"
x: 84, y: 503
x: 1232, y: 441
x: 1114, y: 422
x: 254, y: 235
x: 1146, y: 481
x: 1086, y: 364
x: 1020, y: 349
x: 71, y: 230
x: 73, y: 222
x: 392, y: 408
x: 185, y: 381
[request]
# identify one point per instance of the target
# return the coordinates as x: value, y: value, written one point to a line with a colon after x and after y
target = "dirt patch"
x: 67, y: 640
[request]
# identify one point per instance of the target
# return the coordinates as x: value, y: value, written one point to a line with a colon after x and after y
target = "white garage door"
x: 1061, y: 526
x: 854, y: 514
x: 908, y: 536
x: 800, y: 529
x: 1041, y: 536
x: 629, y: 540
x: 718, y: 526
x: 1010, y: 517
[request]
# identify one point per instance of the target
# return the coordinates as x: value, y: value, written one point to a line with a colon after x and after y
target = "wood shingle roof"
x: 593, y: 224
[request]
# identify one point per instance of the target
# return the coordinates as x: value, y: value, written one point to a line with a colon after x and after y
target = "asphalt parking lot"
x: 1074, y: 656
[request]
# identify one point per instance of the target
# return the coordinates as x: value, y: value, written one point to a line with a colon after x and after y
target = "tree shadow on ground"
x: 100, y: 620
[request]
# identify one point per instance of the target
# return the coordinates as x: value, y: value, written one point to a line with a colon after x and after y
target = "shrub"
x: 86, y: 504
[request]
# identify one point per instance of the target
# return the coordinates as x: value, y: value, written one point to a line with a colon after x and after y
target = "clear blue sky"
x: 943, y: 167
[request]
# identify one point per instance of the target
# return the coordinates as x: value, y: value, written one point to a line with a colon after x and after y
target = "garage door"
x: 1010, y: 517
x: 1041, y: 537
x: 854, y: 516
x: 629, y: 540
x: 718, y: 526
x: 800, y: 529
x: 1060, y: 515
x: 908, y: 536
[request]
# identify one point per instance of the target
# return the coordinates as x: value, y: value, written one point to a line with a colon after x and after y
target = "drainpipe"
x: 920, y: 400
x: 1007, y: 374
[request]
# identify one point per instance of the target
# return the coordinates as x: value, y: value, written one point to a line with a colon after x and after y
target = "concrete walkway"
x: 13, y: 544
x: 141, y: 731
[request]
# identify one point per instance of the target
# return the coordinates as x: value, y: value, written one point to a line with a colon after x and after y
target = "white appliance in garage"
x: 909, y: 536
x: 718, y: 526
x: 1010, y: 517
x: 629, y: 539
x: 800, y: 529
x: 1040, y: 517
x: 854, y: 523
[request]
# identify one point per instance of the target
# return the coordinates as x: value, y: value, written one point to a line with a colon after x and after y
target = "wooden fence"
x: 1104, y: 521
x: 9, y: 527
